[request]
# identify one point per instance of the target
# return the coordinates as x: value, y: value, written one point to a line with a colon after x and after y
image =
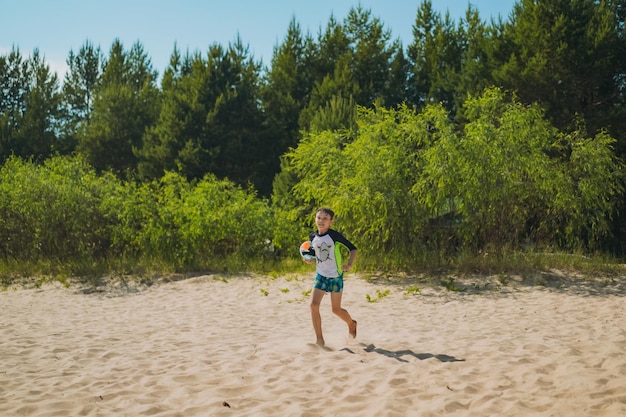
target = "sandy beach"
x: 242, y: 346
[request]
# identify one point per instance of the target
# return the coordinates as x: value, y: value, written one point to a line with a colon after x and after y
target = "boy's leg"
x: 335, y: 300
x: 316, y: 318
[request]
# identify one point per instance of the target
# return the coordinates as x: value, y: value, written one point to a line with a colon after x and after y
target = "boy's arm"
x: 351, y: 260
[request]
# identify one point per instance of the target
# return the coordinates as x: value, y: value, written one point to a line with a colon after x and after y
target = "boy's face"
x: 323, y: 221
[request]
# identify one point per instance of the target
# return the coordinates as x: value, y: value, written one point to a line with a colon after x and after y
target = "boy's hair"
x: 326, y: 210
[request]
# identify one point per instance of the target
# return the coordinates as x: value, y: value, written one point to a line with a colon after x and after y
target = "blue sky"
x: 57, y: 26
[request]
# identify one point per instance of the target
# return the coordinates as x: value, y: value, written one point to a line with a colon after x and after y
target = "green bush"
x: 210, y: 220
x: 62, y: 210
x: 410, y: 186
x: 50, y: 211
x: 410, y: 190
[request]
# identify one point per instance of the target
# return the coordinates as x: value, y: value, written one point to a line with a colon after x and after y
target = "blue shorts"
x: 328, y: 284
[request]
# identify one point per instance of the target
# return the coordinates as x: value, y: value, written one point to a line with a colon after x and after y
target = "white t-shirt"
x: 327, y: 252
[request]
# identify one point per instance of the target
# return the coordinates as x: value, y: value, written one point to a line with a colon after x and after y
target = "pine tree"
x: 126, y: 104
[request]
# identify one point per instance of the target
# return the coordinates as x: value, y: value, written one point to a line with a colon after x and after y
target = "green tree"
x: 496, y: 177
x: 475, y: 65
x: 236, y: 121
x: 126, y: 104
x: 79, y: 88
x: 14, y: 88
x: 435, y: 59
x: 331, y: 45
x: 372, y: 55
x: 421, y: 54
x: 404, y: 182
x: 366, y: 177
x: 568, y: 57
x: 512, y: 176
x: 592, y: 195
x: 397, y: 85
x: 286, y: 88
x: 338, y: 87
x: 354, y: 63
x: 166, y: 137
x: 330, y: 68
x: 40, y: 126
x: 211, y: 120
x: 338, y: 113
x: 30, y: 106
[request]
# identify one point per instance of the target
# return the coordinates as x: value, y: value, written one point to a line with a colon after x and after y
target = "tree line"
x: 224, y: 114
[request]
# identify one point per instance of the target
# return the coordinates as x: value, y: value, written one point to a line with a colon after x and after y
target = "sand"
x: 242, y: 346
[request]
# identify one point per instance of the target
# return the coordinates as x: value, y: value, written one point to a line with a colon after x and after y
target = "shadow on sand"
x: 503, y: 285
x: 398, y: 354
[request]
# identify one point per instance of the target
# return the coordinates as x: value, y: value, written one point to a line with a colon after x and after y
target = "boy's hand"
x: 346, y: 267
x: 309, y: 261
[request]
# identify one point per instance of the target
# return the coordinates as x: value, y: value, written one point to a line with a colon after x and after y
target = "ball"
x: 307, y: 251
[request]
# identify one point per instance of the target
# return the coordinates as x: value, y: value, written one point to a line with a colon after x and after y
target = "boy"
x: 329, y: 271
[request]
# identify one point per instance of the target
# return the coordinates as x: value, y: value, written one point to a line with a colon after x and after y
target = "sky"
x: 56, y: 27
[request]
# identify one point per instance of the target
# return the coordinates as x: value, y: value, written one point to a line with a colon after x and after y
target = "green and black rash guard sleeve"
x: 327, y: 252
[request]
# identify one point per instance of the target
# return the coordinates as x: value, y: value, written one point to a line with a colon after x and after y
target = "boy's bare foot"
x: 320, y: 343
x: 352, y: 329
